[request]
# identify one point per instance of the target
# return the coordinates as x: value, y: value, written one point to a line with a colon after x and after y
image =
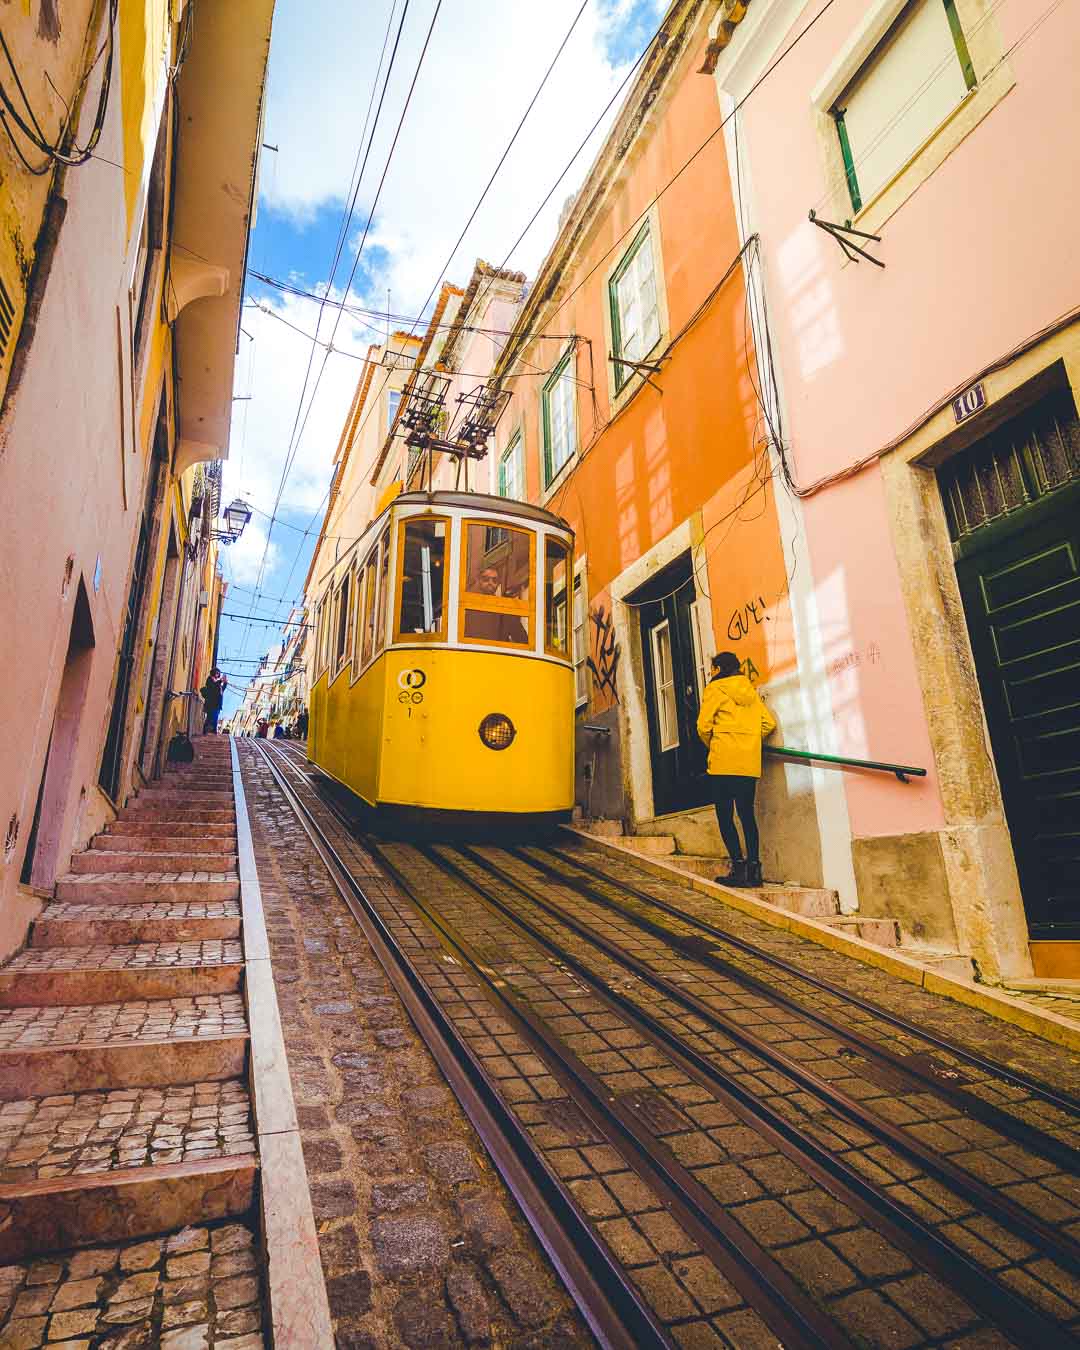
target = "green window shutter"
x: 961, y: 43
x: 849, y: 162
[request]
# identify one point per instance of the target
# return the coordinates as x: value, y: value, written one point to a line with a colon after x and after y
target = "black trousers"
x: 735, y: 792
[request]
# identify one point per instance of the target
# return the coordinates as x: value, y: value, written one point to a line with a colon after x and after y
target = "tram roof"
x: 482, y: 501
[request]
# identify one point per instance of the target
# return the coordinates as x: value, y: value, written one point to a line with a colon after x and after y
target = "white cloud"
x: 483, y: 65
x: 481, y: 69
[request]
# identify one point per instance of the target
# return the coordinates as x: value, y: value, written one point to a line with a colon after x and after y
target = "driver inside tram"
x: 486, y: 625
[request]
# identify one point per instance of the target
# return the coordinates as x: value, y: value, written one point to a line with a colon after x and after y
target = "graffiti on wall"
x: 604, y: 661
x: 746, y: 618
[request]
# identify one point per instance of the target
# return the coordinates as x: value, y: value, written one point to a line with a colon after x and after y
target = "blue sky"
x: 474, y: 85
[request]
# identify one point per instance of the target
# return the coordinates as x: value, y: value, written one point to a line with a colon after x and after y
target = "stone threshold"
x: 987, y: 998
x: 295, y: 1285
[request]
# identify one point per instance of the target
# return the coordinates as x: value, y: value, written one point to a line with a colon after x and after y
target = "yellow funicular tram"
x: 443, y: 691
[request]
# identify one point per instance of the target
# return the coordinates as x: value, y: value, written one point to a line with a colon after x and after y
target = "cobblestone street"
x: 419, y: 1238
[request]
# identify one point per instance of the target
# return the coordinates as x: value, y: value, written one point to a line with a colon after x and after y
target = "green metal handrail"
x: 902, y: 771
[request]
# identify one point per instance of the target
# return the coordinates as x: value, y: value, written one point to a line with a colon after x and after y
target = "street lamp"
x: 237, y: 515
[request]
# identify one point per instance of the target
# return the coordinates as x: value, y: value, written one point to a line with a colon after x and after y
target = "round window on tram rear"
x: 497, y: 731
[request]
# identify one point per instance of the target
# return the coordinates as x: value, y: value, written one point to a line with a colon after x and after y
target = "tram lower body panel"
x: 450, y: 741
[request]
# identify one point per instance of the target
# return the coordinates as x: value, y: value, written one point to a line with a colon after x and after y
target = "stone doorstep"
x: 49, y: 988
x: 173, y: 829
x: 877, y: 931
x: 83, y: 1211
x: 813, y: 902
x: 101, y: 931
x: 101, y: 1066
x: 162, y: 842
x: 123, y: 888
x: 655, y: 845
x: 114, y: 860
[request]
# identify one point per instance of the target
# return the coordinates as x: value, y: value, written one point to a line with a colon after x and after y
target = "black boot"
x: 751, y: 875
x: 737, y: 875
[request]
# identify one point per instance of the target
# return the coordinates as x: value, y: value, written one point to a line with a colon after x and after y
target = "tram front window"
x: 423, y: 578
x: 498, y: 585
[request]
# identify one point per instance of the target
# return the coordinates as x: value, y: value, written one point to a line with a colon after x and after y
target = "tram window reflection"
x: 498, y: 569
x: 423, y: 577
x: 556, y: 572
x: 381, y: 601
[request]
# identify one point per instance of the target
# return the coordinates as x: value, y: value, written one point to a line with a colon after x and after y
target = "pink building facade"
x: 923, y: 416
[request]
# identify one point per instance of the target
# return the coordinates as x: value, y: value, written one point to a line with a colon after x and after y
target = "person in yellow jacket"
x: 733, y: 722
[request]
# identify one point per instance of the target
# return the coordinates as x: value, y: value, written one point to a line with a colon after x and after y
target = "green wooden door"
x: 1019, y: 577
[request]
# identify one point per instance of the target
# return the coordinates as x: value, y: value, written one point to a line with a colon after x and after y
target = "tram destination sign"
x: 970, y: 402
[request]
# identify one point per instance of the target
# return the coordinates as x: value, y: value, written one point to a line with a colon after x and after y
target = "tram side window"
x: 381, y: 599
x: 423, y: 578
x: 556, y: 572
x: 356, y: 622
x: 371, y: 573
x: 341, y: 646
x: 497, y: 582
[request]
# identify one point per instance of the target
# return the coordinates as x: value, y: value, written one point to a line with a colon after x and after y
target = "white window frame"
x: 515, y: 448
x: 393, y: 402
x: 562, y: 380
x: 630, y: 267
x: 579, y: 600
x: 664, y: 629
x: 697, y: 643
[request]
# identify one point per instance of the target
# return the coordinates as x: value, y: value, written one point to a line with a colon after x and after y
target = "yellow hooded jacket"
x: 732, y: 722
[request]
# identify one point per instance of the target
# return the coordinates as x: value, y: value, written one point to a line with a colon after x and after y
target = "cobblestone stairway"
x: 128, y: 1161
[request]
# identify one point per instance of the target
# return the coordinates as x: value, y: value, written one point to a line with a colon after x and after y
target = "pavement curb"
x: 1051, y: 1027
x: 295, y: 1285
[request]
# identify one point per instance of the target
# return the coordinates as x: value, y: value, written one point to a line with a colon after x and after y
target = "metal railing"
x: 902, y: 771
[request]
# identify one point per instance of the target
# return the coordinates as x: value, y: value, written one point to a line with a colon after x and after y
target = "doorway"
x: 1013, y: 507
x: 670, y: 661
x: 43, y: 847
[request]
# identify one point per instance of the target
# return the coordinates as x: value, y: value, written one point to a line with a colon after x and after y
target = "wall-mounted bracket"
x: 847, y: 243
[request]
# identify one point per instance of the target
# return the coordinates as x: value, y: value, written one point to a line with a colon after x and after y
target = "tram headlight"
x: 497, y: 731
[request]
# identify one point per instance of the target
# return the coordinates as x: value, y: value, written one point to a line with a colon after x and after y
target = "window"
x: 496, y: 602
x: 667, y: 721
x: 700, y: 671
x: 371, y: 576
x: 915, y: 78
x: 380, y: 598
x: 356, y: 625
x: 560, y: 418
x: 635, y: 315
x: 581, y: 644
x: 512, y: 470
x: 392, y: 401
x: 556, y: 571
x: 422, y: 608
x: 343, y: 616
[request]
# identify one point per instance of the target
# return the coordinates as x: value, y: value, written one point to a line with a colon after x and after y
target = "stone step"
x: 955, y: 964
x: 61, y: 924
x: 191, y: 797
x: 44, y: 976
x: 200, y: 1285
x: 180, y: 829
x: 84, y: 1133
x: 654, y: 845
x: 604, y: 829
x: 162, y: 842
x: 184, y: 815
x: 809, y: 901
x: 93, y: 1208
x: 84, y: 1048
x: 125, y: 887
x: 880, y: 932
x: 180, y: 860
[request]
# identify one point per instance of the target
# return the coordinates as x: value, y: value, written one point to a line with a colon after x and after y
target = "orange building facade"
x: 634, y: 414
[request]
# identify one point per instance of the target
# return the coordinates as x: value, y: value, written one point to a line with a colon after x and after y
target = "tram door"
x: 665, y: 609
x: 1013, y: 505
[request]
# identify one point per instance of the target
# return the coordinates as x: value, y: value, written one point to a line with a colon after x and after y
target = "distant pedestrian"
x: 301, y: 725
x: 279, y: 732
x: 733, y: 722
x: 213, y: 695
x: 261, y: 728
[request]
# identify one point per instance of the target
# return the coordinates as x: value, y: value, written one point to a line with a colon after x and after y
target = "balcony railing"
x: 902, y: 771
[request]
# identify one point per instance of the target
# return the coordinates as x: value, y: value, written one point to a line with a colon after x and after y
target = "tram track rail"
x: 930, y: 1079
x: 1037, y: 1088
x: 783, y: 1304
x: 614, y: 1311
